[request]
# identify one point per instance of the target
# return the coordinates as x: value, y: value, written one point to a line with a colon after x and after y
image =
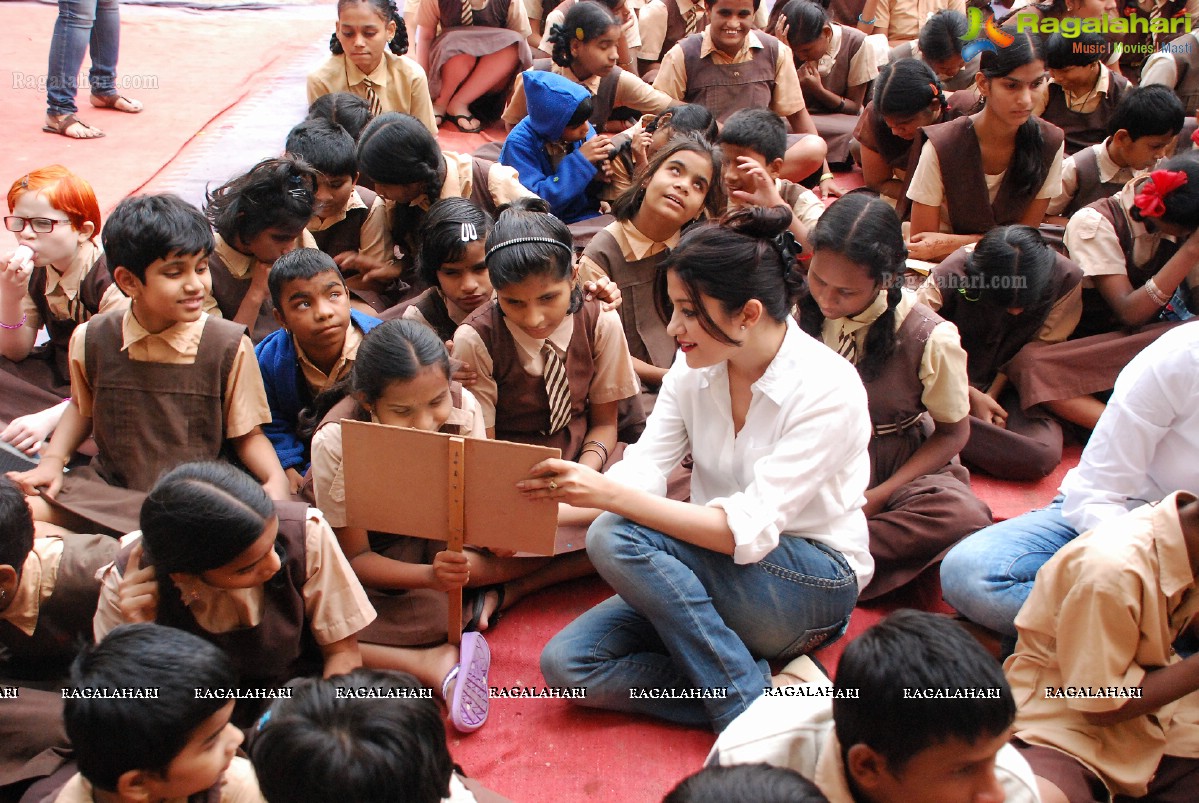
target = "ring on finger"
x: 553, y: 485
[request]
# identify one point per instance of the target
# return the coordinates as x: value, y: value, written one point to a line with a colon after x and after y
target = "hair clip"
x: 579, y: 34
x: 25, y: 181
x: 1151, y: 200
x: 469, y: 235
x: 966, y: 294
x: 262, y: 720
x: 300, y: 193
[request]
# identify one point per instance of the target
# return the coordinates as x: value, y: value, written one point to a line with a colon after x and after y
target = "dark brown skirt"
x: 28, y: 387
x: 836, y: 130
x: 477, y: 42
x: 415, y: 617
x: 33, y: 742
x: 110, y: 509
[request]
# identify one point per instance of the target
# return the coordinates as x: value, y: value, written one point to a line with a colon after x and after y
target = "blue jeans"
x: 80, y: 23
x: 988, y: 576
x: 689, y: 618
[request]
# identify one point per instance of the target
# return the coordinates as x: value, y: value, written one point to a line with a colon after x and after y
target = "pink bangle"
x: 17, y: 325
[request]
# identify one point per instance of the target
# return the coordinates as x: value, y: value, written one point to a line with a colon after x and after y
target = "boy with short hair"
x: 1106, y: 703
x: 314, y: 349
x: 159, y: 384
x: 753, y: 142
x: 919, y: 712
x: 133, y: 747
x: 555, y: 150
x: 391, y: 744
x: 1143, y: 127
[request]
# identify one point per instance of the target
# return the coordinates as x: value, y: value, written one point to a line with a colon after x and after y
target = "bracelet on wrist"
x: 17, y: 325
x: 840, y: 107
x: 597, y: 447
x: 1154, y: 292
x: 826, y: 176
x: 866, y: 22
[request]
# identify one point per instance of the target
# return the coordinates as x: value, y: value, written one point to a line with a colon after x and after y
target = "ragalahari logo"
x: 983, y: 35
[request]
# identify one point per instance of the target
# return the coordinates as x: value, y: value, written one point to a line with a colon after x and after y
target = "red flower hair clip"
x: 1151, y: 199
x: 1195, y: 136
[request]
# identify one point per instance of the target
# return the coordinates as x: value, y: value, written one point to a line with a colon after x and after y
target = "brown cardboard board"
x: 397, y: 481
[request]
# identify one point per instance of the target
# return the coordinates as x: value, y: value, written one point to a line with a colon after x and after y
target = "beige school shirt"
x: 328, y: 471
x: 1109, y: 172
x: 239, y: 784
x: 653, y: 19
x: 317, y: 379
x: 320, y: 224
x: 633, y: 246
x: 1104, y: 612
x: 245, y: 404
x: 399, y: 83
x: 786, y: 100
x: 62, y: 291
x: 335, y: 604
x: 946, y: 393
x: 863, y: 67
x: 901, y: 20
x: 614, y: 378
x: 39, y: 574
x: 631, y: 91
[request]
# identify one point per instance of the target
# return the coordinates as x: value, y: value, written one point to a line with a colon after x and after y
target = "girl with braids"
x: 410, y: 172
x: 470, y: 48
x: 368, y: 48
x: 258, y: 217
x: 919, y: 502
x: 1003, y: 153
x: 940, y: 47
x: 907, y: 97
x: 586, y: 49
x: 766, y: 560
x: 1010, y: 290
x: 1138, y: 251
x: 836, y: 67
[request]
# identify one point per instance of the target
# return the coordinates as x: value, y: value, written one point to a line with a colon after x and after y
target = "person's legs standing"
x: 105, y: 47
x: 72, y: 32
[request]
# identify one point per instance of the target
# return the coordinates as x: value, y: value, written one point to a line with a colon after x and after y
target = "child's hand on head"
x: 450, y: 570
x: 137, y: 598
x: 640, y: 146
x: 604, y: 289
x: 758, y: 188
x: 781, y: 28
x: 595, y: 150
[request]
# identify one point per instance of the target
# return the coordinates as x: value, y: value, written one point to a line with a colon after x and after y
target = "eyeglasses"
x: 40, y: 225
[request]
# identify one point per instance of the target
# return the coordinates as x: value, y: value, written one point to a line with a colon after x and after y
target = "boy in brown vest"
x: 160, y: 384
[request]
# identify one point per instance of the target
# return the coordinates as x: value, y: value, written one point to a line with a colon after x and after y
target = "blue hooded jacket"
x: 287, y: 393
x: 552, y: 101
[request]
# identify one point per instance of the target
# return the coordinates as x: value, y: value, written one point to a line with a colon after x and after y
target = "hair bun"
x: 530, y: 203
x: 761, y: 222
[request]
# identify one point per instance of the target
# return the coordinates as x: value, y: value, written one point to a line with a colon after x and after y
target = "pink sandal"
x: 471, y: 699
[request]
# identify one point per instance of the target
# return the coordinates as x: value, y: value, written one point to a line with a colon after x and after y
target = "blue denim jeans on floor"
x: 988, y: 576
x: 690, y: 618
x: 80, y: 24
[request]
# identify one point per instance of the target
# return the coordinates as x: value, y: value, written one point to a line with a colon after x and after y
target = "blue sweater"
x: 287, y: 393
x: 552, y: 101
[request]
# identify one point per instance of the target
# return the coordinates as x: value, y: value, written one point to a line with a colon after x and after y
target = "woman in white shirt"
x: 766, y: 561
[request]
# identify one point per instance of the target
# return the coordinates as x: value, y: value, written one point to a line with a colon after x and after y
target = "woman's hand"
x: 137, y: 597
x: 450, y: 570
x: 830, y: 189
x: 565, y: 481
x: 809, y: 77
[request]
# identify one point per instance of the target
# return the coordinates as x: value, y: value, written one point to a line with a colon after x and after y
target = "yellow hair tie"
x: 579, y: 34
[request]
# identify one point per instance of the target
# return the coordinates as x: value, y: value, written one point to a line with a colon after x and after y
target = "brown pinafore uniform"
x: 432, y: 307
x: 728, y: 88
x: 643, y: 329
x: 604, y: 99
x: 346, y: 235
x: 1090, y: 187
x: 960, y: 156
x: 281, y: 646
x: 414, y: 617
x: 1029, y: 446
x: 1100, y: 348
x: 147, y: 418
x: 522, y: 408
x: 1084, y: 130
x: 928, y: 515
x: 837, y: 129
x: 229, y: 291
x: 1187, y: 85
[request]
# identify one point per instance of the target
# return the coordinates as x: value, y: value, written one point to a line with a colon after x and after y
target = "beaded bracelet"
x: 17, y: 325
x: 1154, y: 292
x: 866, y: 22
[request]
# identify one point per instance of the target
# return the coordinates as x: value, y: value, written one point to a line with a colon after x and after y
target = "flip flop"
x: 457, y: 119
x: 111, y: 101
x: 480, y: 601
x: 471, y: 698
x: 62, y: 125
x: 439, y: 118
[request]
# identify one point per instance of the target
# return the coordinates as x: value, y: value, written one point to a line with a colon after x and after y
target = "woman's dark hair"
x: 276, y: 193
x: 397, y: 149
x: 394, y: 351
x: 1012, y: 267
x: 627, y: 204
x: 907, y: 87
x: 512, y: 264
x: 687, y: 118
x: 343, y: 108
x: 440, y: 236
x: 1182, y: 205
x: 387, y: 11
x: 864, y: 229
x: 806, y: 21
x: 761, y: 783
x: 200, y: 516
x: 330, y: 741
x: 1027, y: 168
x: 16, y: 526
x: 941, y: 36
x: 1074, y: 51
x: 746, y: 239
x: 584, y: 21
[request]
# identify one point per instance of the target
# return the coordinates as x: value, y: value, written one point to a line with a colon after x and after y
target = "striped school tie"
x: 847, y: 346
x: 468, y: 14
x: 557, y: 388
x: 372, y: 98
x: 693, y: 18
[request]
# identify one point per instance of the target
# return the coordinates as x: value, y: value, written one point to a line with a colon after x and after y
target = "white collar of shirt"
x: 641, y: 246
x: 829, y: 59
x: 1108, y: 169
x: 783, y: 376
x: 378, y: 76
x: 559, y: 338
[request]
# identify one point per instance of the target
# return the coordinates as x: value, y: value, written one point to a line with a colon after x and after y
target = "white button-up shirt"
x: 798, y: 466
x: 1146, y: 444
